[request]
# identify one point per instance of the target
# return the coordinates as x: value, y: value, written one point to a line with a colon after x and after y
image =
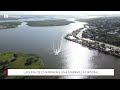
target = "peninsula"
x: 99, y: 34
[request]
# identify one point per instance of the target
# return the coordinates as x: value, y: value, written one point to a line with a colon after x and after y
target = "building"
x: 5, y: 16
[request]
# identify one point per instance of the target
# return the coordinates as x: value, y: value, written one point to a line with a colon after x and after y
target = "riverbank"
x: 18, y: 61
x: 76, y: 36
x: 6, y: 25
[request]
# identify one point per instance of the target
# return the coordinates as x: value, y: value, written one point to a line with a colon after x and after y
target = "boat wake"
x: 58, y: 47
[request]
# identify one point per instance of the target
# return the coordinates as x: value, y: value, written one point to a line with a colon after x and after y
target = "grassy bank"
x: 18, y: 61
x: 5, y: 25
x: 49, y: 23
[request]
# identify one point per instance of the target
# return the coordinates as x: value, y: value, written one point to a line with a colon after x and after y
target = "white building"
x: 5, y: 16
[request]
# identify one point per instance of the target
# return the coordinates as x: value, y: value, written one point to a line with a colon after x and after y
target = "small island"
x: 6, y: 25
x: 14, y: 60
x: 59, y: 22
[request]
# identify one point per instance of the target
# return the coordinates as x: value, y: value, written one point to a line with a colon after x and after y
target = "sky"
x: 60, y: 12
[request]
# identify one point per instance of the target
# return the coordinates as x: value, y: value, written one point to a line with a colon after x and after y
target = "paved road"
x: 79, y: 35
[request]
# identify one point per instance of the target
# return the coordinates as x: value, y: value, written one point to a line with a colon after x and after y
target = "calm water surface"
x: 40, y: 40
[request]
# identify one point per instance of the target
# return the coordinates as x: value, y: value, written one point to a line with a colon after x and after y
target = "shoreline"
x: 18, y: 60
x: 91, y: 44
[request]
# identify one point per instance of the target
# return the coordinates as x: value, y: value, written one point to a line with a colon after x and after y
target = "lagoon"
x: 40, y: 41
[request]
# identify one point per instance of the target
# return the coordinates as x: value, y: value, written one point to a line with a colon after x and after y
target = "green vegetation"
x: 101, y: 36
x: 5, y: 25
x: 18, y: 61
x: 7, y: 56
x: 104, y: 29
x: 49, y: 22
x: 10, y: 18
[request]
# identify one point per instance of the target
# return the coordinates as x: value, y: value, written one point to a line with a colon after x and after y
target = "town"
x: 104, y: 29
x: 92, y: 44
